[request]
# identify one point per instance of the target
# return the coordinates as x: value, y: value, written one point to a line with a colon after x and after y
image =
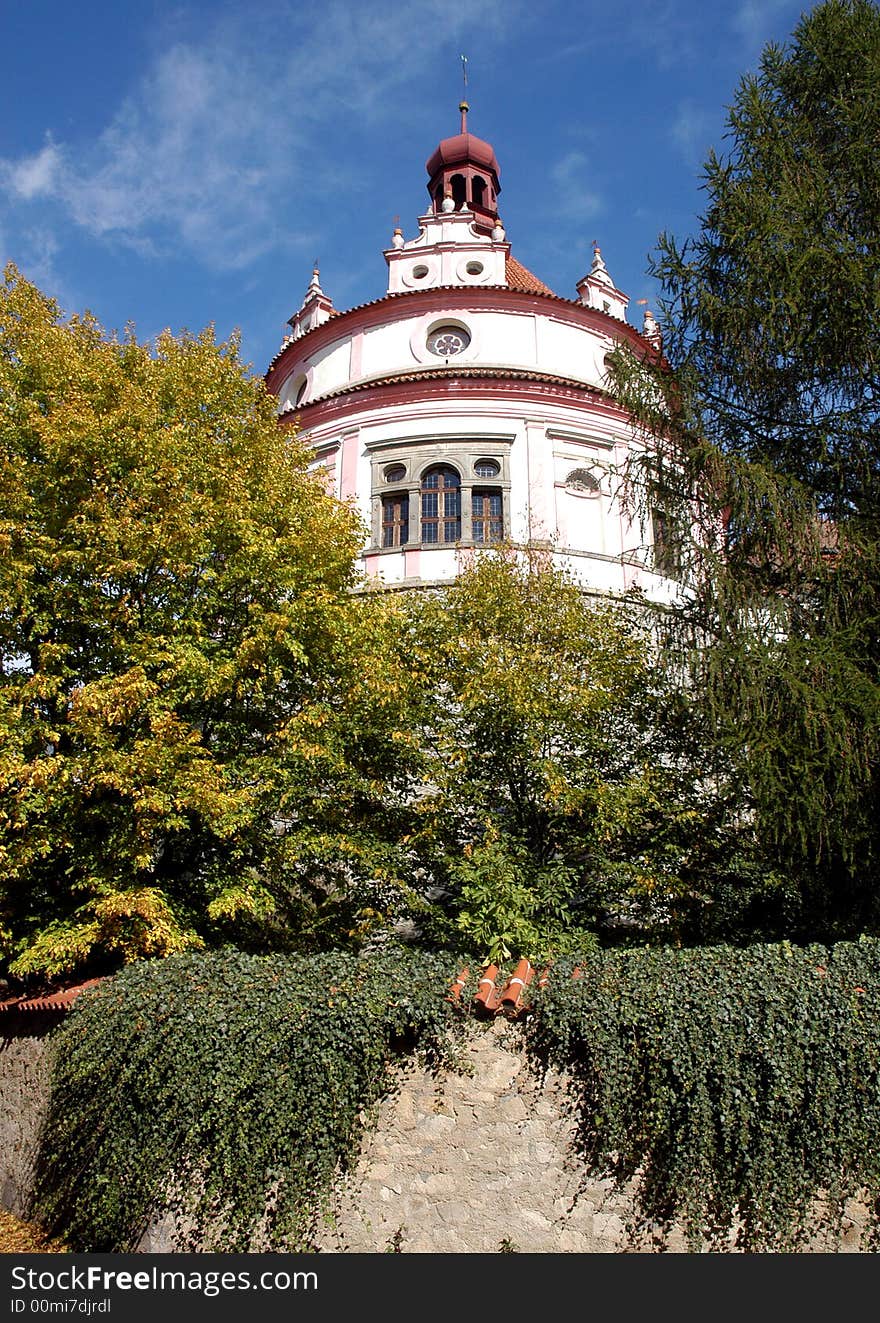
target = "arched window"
x: 488, y: 516
x: 395, y: 519
x: 459, y: 191
x: 478, y: 190
x: 441, y: 504
x: 583, y: 481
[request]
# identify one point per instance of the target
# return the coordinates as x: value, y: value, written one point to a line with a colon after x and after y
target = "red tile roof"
x: 500, y: 994
x: 520, y: 277
x: 52, y: 1001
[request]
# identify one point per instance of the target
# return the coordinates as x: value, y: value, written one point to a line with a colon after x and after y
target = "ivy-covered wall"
x: 483, y: 1162
x: 476, y: 1160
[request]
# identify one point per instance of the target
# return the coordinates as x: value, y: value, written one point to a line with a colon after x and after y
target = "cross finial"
x: 464, y: 70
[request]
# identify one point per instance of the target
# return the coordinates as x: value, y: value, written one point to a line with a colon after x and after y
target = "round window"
x: 487, y: 468
x: 395, y: 473
x: 446, y: 341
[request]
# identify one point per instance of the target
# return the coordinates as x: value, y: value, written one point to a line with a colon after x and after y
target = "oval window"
x: 395, y: 473
x: 419, y: 272
x: 487, y: 468
x: 446, y: 341
x: 474, y: 268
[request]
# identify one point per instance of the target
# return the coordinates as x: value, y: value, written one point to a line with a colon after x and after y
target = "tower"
x: 468, y: 405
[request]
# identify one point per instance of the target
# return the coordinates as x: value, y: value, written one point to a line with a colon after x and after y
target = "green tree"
x: 561, y: 791
x: 196, y: 716
x: 771, y: 423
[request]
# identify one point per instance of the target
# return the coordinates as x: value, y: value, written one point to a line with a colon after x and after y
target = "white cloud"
x: 692, y: 131
x: 575, y: 200
x: 33, y: 176
x: 204, y: 152
x: 755, y: 20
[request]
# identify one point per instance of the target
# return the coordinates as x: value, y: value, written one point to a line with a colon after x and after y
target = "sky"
x: 183, y: 164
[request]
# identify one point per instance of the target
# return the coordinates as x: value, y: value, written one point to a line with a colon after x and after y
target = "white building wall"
x: 588, y: 532
x: 530, y: 342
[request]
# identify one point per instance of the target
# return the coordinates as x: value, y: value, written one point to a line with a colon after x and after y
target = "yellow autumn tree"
x: 182, y: 659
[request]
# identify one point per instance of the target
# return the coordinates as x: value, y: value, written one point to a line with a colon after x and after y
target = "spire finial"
x: 463, y: 105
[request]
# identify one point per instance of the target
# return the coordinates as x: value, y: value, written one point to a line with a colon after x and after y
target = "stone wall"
x: 476, y: 1161
x: 23, y: 1097
x: 482, y: 1162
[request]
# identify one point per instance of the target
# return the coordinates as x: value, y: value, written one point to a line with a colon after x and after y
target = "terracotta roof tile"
x: 53, y: 1001
x: 520, y: 277
x: 498, y: 993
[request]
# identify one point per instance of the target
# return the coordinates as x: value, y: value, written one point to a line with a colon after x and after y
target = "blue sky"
x: 176, y: 165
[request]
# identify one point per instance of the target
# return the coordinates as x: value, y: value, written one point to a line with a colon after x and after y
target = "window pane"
x: 488, y: 516
x: 395, y: 520
x: 441, y: 505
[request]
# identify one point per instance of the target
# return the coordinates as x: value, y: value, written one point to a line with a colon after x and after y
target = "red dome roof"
x: 464, y: 147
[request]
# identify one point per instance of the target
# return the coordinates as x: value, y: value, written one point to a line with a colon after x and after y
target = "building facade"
x: 468, y: 405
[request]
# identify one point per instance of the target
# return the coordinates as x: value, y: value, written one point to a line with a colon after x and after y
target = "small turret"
x: 597, y: 290
x: 316, y: 308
